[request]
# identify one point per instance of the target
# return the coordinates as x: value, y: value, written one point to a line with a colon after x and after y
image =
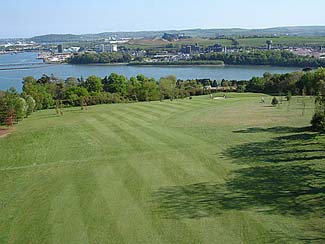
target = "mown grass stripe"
x: 66, y: 218
x: 163, y: 106
x: 141, y: 190
x: 97, y: 214
x: 176, y: 106
x: 182, y: 158
x: 191, y: 147
x: 124, y: 206
x: 144, y: 146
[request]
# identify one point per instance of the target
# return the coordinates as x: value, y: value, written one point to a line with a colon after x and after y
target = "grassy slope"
x: 172, y: 172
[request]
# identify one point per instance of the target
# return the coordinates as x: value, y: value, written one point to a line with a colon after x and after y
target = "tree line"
x: 259, y: 57
x: 15, y: 107
x: 105, y: 57
x: 295, y: 83
x: 51, y: 92
x: 256, y: 57
x: 113, y: 88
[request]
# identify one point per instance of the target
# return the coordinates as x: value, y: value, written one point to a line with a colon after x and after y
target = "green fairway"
x: 188, y: 171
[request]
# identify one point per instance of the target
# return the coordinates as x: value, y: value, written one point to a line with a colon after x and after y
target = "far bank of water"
x: 13, y: 78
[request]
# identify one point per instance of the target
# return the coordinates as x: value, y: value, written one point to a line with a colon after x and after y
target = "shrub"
x: 289, y: 96
x: 318, y: 122
x: 31, y: 105
x: 13, y: 108
x: 275, y: 101
x: 241, y: 88
x: 21, y: 108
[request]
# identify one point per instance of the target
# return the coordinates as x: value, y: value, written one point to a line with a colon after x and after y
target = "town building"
x: 107, y: 48
x: 191, y: 49
x: 217, y: 48
x: 112, y: 48
x: 72, y: 49
x: 102, y: 48
x: 60, y: 48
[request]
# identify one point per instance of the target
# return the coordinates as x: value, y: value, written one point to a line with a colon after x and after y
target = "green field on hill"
x: 253, y: 42
x: 296, y: 41
x: 186, y: 171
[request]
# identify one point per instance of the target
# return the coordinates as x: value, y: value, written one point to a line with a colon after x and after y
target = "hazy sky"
x: 26, y: 18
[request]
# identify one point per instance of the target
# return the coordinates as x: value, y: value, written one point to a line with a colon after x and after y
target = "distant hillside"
x: 53, y: 38
x: 306, y: 31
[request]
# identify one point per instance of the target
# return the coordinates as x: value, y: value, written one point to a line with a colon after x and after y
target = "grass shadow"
x: 301, y: 145
x: 277, y: 129
x: 286, y: 190
x: 283, y: 178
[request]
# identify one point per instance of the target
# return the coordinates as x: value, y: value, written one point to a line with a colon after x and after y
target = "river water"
x: 13, y: 67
